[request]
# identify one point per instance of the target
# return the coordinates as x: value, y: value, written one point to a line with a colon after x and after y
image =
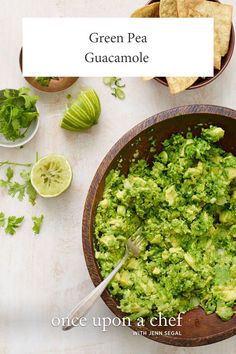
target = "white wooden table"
x: 43, y: 277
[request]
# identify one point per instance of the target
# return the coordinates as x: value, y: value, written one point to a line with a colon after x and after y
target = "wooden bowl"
x: 197, y: 327
x: 55, y: 85
x: 224, y: 63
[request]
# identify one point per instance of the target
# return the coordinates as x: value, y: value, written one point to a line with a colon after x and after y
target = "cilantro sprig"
x: 2, y: 219
x: 10, y: 223
x: 17, y: 111
x: 37, y: 223
x: 19, y: 190
x: 13, y: 223
x: 16, y: 189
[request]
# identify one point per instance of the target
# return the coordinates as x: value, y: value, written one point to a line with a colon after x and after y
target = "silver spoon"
x: 133, y: 247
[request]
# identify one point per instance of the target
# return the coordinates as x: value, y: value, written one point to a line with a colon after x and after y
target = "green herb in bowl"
x: 17, y: 112
x: 45, y: 81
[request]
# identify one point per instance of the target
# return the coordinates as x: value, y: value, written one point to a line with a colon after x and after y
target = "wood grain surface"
x: 62, y: 83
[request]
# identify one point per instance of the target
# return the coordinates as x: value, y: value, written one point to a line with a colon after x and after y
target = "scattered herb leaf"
x: 2, y: 219
x: 9, y: 174
x: 16, y: 189
x: 13, y: 223
x: 37, y: 224
x: 29, y: 189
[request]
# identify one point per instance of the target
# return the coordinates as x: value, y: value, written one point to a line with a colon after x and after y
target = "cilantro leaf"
x: 9, y: 174
x: 32, y: 194
x: 13, y: 223
x: 4, y: 183
x: 2, y: 219
x: 29, y: 189
x: 16, y: 189
x: 37, y: 224
x: 19, y: 190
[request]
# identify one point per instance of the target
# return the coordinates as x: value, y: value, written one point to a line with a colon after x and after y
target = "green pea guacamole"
x: 185, y: 204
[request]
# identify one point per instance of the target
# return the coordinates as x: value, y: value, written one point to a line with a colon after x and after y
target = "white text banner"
x: 127, y: 47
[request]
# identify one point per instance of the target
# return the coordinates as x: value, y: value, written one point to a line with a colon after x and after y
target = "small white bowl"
x: 31, y: 131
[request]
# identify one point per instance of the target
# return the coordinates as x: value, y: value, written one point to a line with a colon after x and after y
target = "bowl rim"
x: 46, y: 89
x: 87, y: 227
x: 17, y: 143
x: 207, y: 80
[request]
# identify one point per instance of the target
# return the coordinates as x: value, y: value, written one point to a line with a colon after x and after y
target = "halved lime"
x: 51, y: 175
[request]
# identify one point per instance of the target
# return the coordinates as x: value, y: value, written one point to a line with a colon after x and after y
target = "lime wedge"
x: 51, y: 175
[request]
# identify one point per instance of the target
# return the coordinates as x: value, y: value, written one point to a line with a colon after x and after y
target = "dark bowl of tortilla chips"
x: 224, y: 34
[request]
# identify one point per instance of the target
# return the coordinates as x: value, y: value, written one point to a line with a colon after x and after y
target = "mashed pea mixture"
x: 185, y: 204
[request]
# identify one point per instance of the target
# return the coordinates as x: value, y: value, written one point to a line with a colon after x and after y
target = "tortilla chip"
x: 182, y: 8
x: 151, y: 10
x: 217, y: 54
x: 194, y: 13
x: 222, y: 15
x: 179, y: 84
x: 168, y: 8
x: 185, y: 6
x: 192, y: 3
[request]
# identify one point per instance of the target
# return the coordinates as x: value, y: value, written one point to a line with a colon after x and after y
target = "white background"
x: 43, y: 277
x: 173, y: 46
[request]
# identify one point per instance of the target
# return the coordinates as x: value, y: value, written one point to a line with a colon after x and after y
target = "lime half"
x: 51, y: 175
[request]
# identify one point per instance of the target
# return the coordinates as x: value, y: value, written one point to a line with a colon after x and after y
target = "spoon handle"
x: 85, y: 305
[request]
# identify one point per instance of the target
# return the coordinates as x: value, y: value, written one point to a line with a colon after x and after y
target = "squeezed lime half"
x: 51, y: 175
